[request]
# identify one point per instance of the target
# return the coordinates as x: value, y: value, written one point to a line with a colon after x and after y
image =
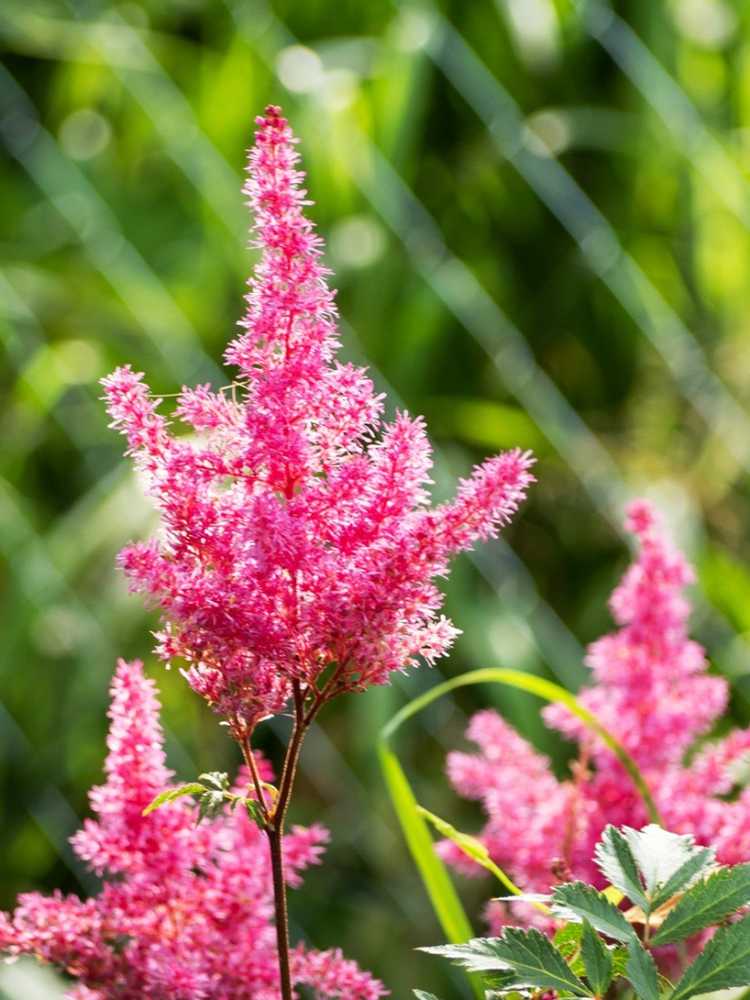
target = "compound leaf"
x: 666, y: 861
x: 217, y: 779
x: 210, y: 804
x: 617, y: 864
x: 583, y: 902
x: 641, y: 971
x: 723, y: 963
x: 597, y: 960
x: 686, y: 875
x: 706, y: 903
x: 528, y: 958
x: 477, y: 955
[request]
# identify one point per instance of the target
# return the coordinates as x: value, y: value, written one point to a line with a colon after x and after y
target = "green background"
x: 539, y: 218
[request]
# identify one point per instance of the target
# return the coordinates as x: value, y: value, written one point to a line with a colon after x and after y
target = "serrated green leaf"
x: 684, y: 877
x: 640, y: 969
x: 171, y: 794
x: 531, y: 956
x: 217, y: 779
x: 477, y: 955
x: 665, y: 859
x: 597, y: 960
x: 723, y: 963
x: 617, y: 864
x: 536, y: 962
x: 706, y: 903
x: 585, y: 903
x: 210, y: 804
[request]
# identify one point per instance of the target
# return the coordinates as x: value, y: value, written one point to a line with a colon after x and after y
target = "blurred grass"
x: 538, y: 216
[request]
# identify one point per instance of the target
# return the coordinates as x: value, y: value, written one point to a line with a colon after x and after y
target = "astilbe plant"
x: 298, y: 551
x: 186, y: 909
x: 652, y: 692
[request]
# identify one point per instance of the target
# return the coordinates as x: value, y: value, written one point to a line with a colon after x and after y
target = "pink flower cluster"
x: 297, y: 535
x: 186, y: 910
x: 651, y: 690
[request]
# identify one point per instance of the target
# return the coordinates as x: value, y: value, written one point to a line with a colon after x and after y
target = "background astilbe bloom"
x: 185, y: 912
x: 651, y: 690
x: 297, y: 535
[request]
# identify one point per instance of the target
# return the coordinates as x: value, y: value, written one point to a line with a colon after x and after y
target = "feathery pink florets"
x: 651, y: 690
x: 190, y: 914
x: 651, y: 687
x: 296, y: 531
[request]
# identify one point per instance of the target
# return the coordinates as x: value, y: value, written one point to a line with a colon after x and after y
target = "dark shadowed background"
x: 538, y: 213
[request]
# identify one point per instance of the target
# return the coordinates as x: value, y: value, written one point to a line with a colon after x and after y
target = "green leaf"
x: 531, y: 956
x: 217, y: 779
x: 500, y: 981
x: 585, y: 903
x: 706, y: 903
x: 617, y: 864
x: 477, y: 955
x: 536, y: 961
x: 597, y: 960
x: 662, y: 856
x: 171, y: 794
x: 641, y: 971
x: 723, y: 963
x: 210, y: 804
x: 567, y: 940
x: 685, y: 876
x: 421, y: 995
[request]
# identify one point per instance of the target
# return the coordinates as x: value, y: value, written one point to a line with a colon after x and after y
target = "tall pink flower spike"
x: 186, y: 911
x: 651, y: 690
x: 296, y: 532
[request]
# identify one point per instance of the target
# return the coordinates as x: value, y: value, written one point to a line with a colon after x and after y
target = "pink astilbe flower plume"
x: 297, y: 537
x: 651, y: 691
x: 186, y: 911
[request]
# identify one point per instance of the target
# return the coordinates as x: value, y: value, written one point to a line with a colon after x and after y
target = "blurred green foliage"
x: 539, y: 220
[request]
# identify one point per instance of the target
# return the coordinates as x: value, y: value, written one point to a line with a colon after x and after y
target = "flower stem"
x: 275, y: 833
x: 281, y: 913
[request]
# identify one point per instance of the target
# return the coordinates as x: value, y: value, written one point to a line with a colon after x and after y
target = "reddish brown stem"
x: 281, y: 912
x: 275, y: 833
x: 247, y: 752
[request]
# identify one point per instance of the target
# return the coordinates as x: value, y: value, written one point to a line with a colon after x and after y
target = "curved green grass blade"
x: 542, y: 688
x: 435, y: 877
